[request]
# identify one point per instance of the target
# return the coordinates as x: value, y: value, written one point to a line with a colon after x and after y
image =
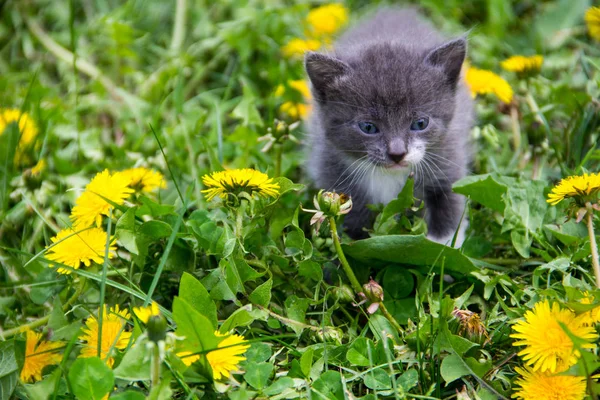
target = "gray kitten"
x: 389, y: 101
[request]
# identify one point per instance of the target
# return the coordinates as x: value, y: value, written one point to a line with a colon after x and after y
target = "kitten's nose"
x: 397, y: 157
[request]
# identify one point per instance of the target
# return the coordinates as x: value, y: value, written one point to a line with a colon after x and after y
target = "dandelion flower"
x: 91, y: 205
x: 327, y: 20
x: 144, y: 313
x: 590, y: 317
x: 297, y: 47
x: 27, y: 129
x: 235, y: 181
x: 228, y: 355
x: 187, y: 358
x: 540, y: 385
x: 523, y: 64
x: 72, y: 248
x: 481, y: 81
x: 113, y: 335
x: 592, y: 19
x: 295, y: 110
x: 584, y: 187
x: 38, y: 354
x: 37, y: 169
x: 470, y: 322
x: 144, y: 179
x: 548, y: 348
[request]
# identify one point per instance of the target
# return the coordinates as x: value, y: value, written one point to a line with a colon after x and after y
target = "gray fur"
x: 390, y: 70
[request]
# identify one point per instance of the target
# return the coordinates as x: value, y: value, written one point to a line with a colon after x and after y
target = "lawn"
x: 160, y: 237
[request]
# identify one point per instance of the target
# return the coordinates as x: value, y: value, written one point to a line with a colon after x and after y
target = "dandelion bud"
x: 156, y: 328
x: 334, y: 204
x: 344, y: 294
x: 373, y: 291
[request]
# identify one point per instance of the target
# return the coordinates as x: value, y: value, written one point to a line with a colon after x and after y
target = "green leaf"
x: 246, y: 110
x: 44, y: 389
x: 156, y: 229
x: 361, y: 352
x: 453, y: 368
x: 125, y: 231
x: 279, y: 386
x: 306, y: 361
x: 242, y: 317
x: 135, y: 365
x: 194, y: 292
x: 382, y: 329
x: 257, y: 374
x: 258, y: 352
x: 296, y: 310
x: 129, y: 395
x: 408, y: 249
x: 378, y: 379
x: 152, y: 208
x: 9, y: 370
x: 408, y: 380
x: 483, y: 189
x: 262, y: 294
x: 404, y: 200
x: 398, y: 283
x: 57, y: 316
x: 310, y: 269
x: 554, y: 23
x: 90, y: 378
x: 329, y: 385
x: 197, y: 330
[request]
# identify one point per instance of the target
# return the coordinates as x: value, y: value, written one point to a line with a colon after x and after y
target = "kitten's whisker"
x: 337, y: 183
x: 445, y: 160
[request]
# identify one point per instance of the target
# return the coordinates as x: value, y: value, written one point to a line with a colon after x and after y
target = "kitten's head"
x: 385, y: 102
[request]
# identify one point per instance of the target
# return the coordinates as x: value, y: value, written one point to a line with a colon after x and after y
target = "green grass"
x: 187, y: 88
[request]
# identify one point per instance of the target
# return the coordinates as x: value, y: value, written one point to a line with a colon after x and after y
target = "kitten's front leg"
x: 444, y: 210
x: 359, y: 218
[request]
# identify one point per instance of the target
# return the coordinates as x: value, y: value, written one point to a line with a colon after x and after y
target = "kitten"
x: 389, y: 101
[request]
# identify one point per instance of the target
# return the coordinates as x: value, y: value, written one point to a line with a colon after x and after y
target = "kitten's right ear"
x: 323, y: 70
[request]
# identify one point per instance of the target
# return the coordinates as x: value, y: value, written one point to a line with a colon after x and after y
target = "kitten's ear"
x: 323, y: 70
x: 450, y: 57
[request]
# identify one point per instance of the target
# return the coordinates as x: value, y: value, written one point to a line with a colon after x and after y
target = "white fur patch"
x: 384, y: 184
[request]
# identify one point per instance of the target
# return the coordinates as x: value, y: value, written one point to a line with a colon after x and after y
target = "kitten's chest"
x: 383, y: 186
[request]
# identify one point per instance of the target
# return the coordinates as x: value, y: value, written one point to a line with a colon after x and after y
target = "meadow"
x: 160, y: 238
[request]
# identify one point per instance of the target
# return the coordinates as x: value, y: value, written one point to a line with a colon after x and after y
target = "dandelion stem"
x: 593, y: 245
x: 42, y: 321
x: 179, y: 25
x: 239, y: 219
x: 389, y: 317
x: 155, y: 366
x: 338, y: 248
x: 278, y: 157
x: 516, y: 128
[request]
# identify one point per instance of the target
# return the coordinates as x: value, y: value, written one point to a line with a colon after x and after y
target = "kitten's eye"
x: 368, y: 127
x: 419, y: 124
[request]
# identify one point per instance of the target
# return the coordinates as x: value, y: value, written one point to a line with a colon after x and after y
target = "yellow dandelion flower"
x: 548, y: 348
x: 297, y: 47
x: 27, y: 129
x: 582, y: 187
x: 523, y: 64
x: 235, y: 181
x: 482, y: 81
x: 592, y: 19
x: 38, y: 355
x: 187, y: 358
x: 327, y: 20
x: 295, y: 110
x: 592, y: 316
x: 144, y: 179
x: 144, y: 313
x: 39, y: 167
x: 90, y: 206
x: 301, y: 86
x: 228, y: 356
x: 114, y: 336
x: 540, y: 385
x: 72, y: 248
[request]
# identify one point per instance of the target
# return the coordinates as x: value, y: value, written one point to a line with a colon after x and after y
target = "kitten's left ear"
x: 450, y: 57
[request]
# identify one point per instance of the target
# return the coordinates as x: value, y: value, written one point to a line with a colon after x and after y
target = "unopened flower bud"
x: 373, y: 291
x: 344, y: 294
x: 156, y: 328
x: 333, y: 204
